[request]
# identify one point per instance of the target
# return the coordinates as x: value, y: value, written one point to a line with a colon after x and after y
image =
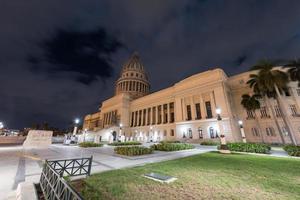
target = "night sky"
x: 59, y: 58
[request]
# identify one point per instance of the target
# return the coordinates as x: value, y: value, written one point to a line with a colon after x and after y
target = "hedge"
x: 172, y: 146
x: 90, y: 144
x: 249, y: 147
x: 209, y: 143
x: 292, y: 150
x: 133, y: 150
x: 125, y: 143
x: 170, y: 141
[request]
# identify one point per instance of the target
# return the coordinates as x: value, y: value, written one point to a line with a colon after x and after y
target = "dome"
x: 133, y: 78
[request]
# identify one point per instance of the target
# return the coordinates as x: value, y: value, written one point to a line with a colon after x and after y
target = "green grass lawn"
x: 205, y: 176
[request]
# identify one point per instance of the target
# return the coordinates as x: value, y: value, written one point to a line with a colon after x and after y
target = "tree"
x: 271, y: 81
x: 251, y: 103
x: 294, y: 70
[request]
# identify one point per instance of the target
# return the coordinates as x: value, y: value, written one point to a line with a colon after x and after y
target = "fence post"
x: 90, y: 165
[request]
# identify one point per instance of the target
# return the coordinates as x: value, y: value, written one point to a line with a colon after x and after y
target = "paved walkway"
x: 18, y: 165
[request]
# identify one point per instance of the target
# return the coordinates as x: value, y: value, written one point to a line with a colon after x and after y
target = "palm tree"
x: 294, y: 70
x: 270, y: 80
x: 251, y: 103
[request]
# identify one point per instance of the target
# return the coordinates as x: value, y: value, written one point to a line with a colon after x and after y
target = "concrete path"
x: 18, y: 164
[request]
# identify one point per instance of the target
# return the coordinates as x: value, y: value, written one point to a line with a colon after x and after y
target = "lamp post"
x: 76, y: 123
x: 242, y: 131
x: 223, y: 147
x: 85, y: 130
x: 1, y: 126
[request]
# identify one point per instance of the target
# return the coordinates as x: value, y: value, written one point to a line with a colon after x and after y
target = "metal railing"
x: 52, y: 182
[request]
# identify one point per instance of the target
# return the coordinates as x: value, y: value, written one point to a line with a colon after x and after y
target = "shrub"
x: 125, y: 143
x: 133, y: 150
x: 170, y: 141
x: 292, y: 150
x: 209, y: 143
x: 172, y: 146
x: 249, y: 147
x: 90, y: 144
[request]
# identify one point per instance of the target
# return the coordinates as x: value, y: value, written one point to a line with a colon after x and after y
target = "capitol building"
x: 186, y: 111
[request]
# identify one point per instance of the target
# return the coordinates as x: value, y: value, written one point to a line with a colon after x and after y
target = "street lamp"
x: 223, y: 147
x: 76, y: 121
x: 242, y: 131
x: 218, y: 112
x: 1, y: 125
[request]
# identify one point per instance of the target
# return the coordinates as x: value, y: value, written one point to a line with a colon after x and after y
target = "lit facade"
x: 186, y: 110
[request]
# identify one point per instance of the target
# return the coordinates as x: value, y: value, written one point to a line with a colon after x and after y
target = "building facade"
x: 187, y: 110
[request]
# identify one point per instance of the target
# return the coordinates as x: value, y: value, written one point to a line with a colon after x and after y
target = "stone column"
x: 203, y: 108
x: 142, y: 118
x: 184, y: 109
x: 168, y: 112
x: 146, y: 123
x: 151, y: 115
x: 213, y: 104
x: 156, y: 115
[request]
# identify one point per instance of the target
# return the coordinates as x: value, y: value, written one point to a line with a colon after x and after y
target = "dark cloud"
x: 184, y: 37
x: 88, y: 54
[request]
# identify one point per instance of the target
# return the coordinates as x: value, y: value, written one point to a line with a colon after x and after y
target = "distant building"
x: 186, y: 110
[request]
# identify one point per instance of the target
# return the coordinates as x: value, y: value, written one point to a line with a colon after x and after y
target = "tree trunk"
x: 259, y: 127
x: 285, y: 117
x: 269, y: 106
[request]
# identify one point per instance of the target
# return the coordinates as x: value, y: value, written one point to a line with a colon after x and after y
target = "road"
x: 18, y: 164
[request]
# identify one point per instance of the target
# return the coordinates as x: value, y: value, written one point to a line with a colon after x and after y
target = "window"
x: 188, y: 112
x: 149, y: 116
x: 250, y: 114
x: 153, y: 115
x: 213, y: 133
x: 287, y: 92
x: 165, y: 111
x: 132, y: 119
x: 208, y: 109
x: 278, y: 112
x: 255, y: 131
x: 172, y: 132
x: 293, y: 110
x: 298, y: 92
x: 270, y: 131
x: 172, y: 116
x: 200, y: 132
x: 198, y: 111
x: 190, y: 134
x: 165, y: 133
x: 263, y: 112
x: 135, y: 122
x: 140, y: 118
x: 159, y: 114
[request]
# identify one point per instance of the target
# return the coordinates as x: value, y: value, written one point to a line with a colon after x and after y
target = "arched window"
x: 211, y: 132
x: 190, y: 133
x: 200, y: 132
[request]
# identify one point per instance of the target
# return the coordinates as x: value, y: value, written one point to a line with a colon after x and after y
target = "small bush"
x: 249, y: 147
x: 292, y: 150
x: 133, y: 150
x: 125, y: 143
x: 172, y: 146
x: 209, y: 143
x: 89, y: 144
x: 170, y: 141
